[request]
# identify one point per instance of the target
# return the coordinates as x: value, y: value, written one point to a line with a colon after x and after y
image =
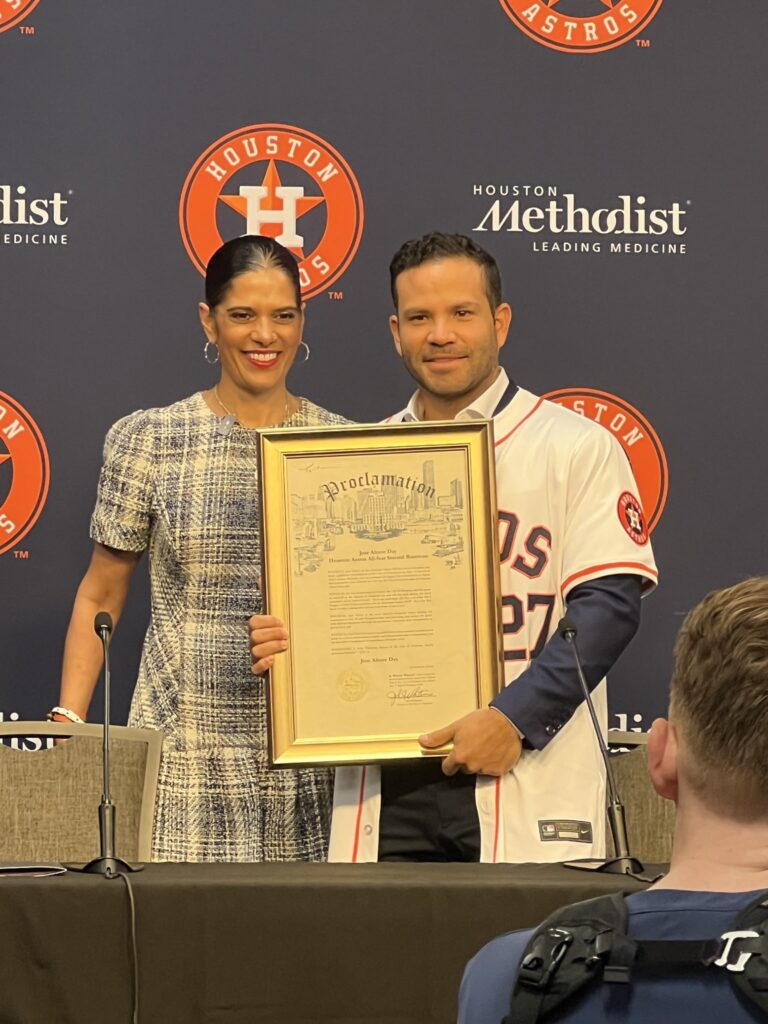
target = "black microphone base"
x: 629, y: 866
x: 110, y: 867
x: 621, y: 866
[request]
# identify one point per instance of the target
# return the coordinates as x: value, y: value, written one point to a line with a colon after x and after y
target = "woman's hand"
x: 268, y: 638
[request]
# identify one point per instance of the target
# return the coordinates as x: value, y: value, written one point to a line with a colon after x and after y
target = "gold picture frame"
x: 380, y: 554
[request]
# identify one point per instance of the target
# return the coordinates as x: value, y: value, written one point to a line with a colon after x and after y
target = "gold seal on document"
x: 352, y: 684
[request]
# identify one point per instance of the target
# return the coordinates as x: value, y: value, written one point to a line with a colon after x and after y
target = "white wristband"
x: 65, y: 713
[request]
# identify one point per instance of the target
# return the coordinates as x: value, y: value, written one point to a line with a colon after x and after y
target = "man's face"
x: 447, y: 333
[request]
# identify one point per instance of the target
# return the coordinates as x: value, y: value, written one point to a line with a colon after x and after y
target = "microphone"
x: 623, y: 863
x: 108, y: 863
x: 103, y: 624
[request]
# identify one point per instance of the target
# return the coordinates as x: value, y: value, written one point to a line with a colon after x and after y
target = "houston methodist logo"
x: 643, y: 449
x: 36, y: 219
x: 14, y: 11
x: 280, y: 181
x: 560, y: 222
x: 581, y: 26
x: 24, y: 472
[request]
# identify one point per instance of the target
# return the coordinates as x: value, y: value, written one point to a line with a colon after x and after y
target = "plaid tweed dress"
x: 171, y: 483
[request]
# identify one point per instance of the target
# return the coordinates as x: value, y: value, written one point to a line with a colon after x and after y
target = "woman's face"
x: 257, y: 328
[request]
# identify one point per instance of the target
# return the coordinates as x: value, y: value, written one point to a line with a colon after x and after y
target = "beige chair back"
x: 49, y: 797
x: 650, y: 819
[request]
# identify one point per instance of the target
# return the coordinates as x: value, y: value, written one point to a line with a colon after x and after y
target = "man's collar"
x: 482, y: 408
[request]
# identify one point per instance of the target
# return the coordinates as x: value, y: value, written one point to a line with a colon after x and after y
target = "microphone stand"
x: 623, y: 863
x: 107, y: 863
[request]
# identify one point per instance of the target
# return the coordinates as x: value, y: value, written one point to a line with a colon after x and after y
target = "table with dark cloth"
x: 265, y: 943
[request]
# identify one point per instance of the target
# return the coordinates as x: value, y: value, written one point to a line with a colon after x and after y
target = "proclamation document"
x: 383, y: 569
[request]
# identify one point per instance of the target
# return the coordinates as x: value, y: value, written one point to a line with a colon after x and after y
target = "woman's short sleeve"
x: 123, y: 513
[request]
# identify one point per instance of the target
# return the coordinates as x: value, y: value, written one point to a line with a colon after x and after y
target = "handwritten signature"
x: 410, y: 695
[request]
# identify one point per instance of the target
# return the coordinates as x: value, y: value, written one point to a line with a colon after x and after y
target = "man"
x: 711, y: 758
x: 505, y: 793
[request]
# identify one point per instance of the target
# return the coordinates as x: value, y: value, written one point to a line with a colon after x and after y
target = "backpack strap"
x: 743, y: 952
x: 566, y: 952
x: 587, y: 941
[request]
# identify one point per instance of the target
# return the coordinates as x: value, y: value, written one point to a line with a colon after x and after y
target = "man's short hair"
x: 437, y: 246
x: 719, y: 698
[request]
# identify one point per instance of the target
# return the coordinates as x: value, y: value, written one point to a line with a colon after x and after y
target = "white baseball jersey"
x: 568, y: 513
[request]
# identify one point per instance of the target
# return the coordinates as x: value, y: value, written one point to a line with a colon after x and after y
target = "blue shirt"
x: 707, y: 998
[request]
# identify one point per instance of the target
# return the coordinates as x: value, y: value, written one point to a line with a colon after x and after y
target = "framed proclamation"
x: 380, y: 554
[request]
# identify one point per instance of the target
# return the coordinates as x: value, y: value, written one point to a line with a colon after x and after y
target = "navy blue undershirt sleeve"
x: 606, y: 612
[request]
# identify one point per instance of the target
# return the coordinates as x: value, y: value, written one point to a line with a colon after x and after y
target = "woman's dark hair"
x: 244, y: 254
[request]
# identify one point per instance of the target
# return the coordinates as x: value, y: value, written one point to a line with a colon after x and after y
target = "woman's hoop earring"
x: 207, y: 353
x: 306, y: 351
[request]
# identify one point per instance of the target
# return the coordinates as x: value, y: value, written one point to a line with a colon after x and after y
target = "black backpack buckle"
x: 547, y: 954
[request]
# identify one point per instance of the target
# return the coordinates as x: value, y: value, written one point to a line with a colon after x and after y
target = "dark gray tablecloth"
x: 261, y: 944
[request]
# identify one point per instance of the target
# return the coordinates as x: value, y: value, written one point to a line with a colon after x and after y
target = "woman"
x: 181, y: 482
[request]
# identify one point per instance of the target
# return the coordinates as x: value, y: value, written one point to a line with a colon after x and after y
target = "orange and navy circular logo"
x: 631, y: 518
x: 637, y: 437
x: 280, y: 181
x: 14, y: 11
x: 24, y: 472
x: 582, y: 26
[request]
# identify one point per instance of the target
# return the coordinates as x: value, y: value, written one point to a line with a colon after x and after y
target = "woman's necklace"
x: 226, y: 423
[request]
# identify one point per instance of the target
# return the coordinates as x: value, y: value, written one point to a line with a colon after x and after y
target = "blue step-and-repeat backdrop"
x: 610, y: 153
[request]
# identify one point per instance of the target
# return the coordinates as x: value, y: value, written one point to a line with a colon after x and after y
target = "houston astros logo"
x: 643, y: 449
x: 24, y: 472
x: 581, y: 26
x: 14, y: 11
x: 631, y: 517
x: 272, y: 179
